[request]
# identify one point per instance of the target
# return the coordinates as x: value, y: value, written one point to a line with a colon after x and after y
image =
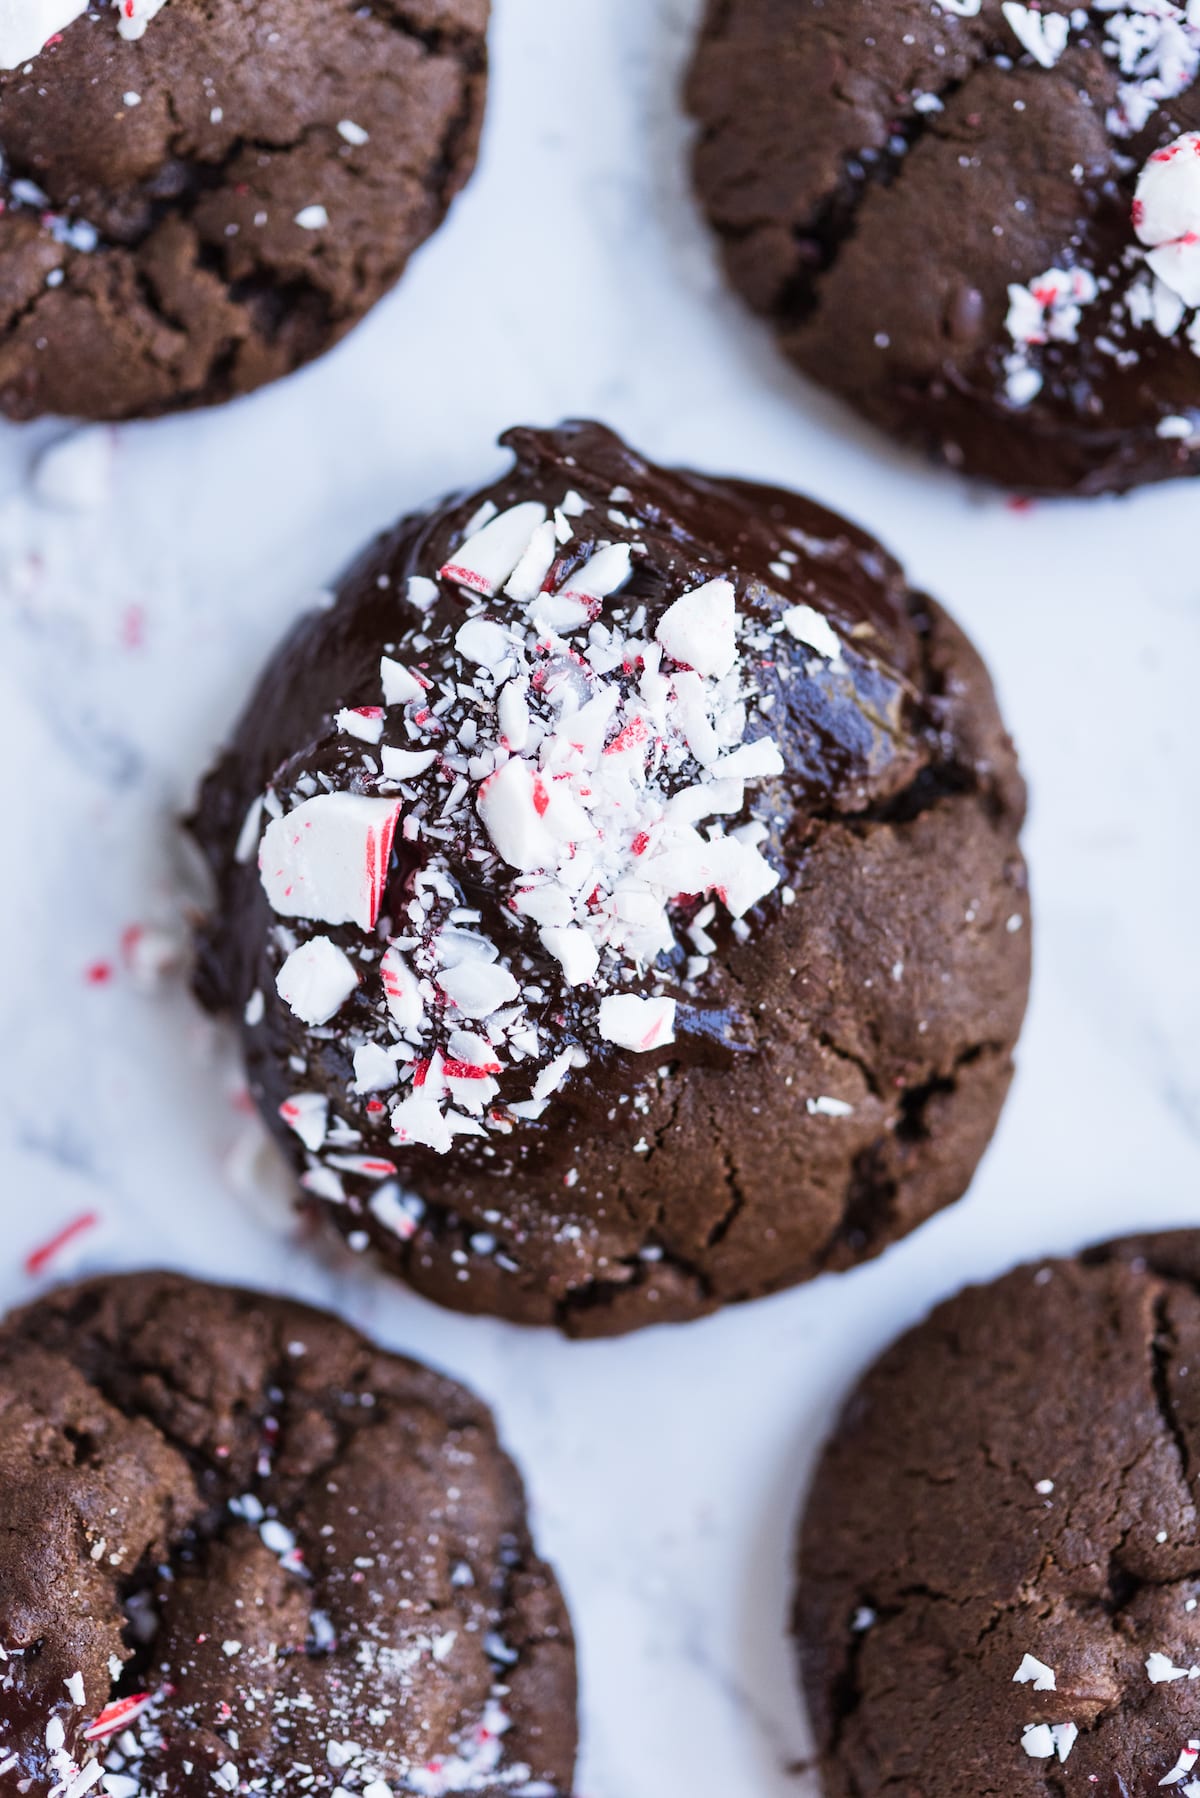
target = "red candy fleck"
x: 41, y: 1258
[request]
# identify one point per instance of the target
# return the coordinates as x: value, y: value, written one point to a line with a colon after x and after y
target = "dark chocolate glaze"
x: 880, y: 239
x: 896, y: 978
x: 310, y: 1555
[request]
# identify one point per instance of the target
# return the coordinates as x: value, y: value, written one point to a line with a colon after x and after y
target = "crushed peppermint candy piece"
x: 1166, y: 216
x: 1038, y: 1741
x: 136, y: 15
x: 1044, y: 1741
x: 1043, y: 35
x: 698, y: 631
x: 809, y: 626
x: 1049, y: 310
x: 639, y: 1024
x: 1160, y: 1670
x: 117, y: 1716
x: 316, y: 980
x: 1035, y: 1673
x: 1188, y: 1755
x: 487, y: 559
x: 308, y: 1115
x: 328, y: 858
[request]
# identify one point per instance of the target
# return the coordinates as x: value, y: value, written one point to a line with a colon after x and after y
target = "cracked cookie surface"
x: 246, y: 1550
x: 933, y: 206
x: 199, y: 212
x: 840, y: 1035
x: 1016, y: 1477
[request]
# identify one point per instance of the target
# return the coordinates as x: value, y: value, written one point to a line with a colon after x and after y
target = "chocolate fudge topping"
x: 619, y: 892
x: 196, y: 211
x: 978, y: 222
x: 245, y: 1551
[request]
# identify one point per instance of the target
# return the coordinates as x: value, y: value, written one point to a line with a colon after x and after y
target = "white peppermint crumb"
x: 808, y: 626
x: 1045, y: 1487
x: 1038, y: 1741
x: 1065, y: 1735
x: 353, y: 134
x: 312, y: 218
x: 1161, y: 1671
x: 1044, y: 36
x: 1035, y: 1673
x: 829, y: 1108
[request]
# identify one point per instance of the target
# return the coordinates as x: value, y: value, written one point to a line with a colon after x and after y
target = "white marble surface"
x: 575, y: 277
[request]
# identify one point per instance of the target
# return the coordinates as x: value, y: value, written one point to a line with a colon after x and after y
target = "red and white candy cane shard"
x: 512, y: 805
x: 604, y: 573
x: 1166, y: 215
x: 116, y: 1716
x: 1188, y: 1756
x: 308, y: 1115
x: 137, y: 14
x: 637, y: 1024
x: 327, y: 859
x: 487, y: 559
x: 401, y: 990
x: 532, y: 572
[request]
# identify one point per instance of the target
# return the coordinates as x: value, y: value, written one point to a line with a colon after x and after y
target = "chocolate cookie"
x: 244, y: 1550
x: 978, y: 222
x: 190, y: 213
x: 619, y: 892
x: 1000, y: 1561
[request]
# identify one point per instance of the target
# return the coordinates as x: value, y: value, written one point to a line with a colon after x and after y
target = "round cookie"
x: 619, y: 892
x: 245, y: 1550
x: 192, y: 212
x: 952, y: 213
x: 1000, y: 1559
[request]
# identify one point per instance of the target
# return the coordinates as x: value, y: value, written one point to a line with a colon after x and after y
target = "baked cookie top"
x: 246, y: 1551
x: 195, y: 208
x: 1000, y: 1560
x: 977, y: 220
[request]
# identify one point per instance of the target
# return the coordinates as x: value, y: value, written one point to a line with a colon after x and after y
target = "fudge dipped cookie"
x: 245, y: 1550
x: 976, y: 220
x: 200, y: 195
x: 619, y: 893
x: 1000, y: 1561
